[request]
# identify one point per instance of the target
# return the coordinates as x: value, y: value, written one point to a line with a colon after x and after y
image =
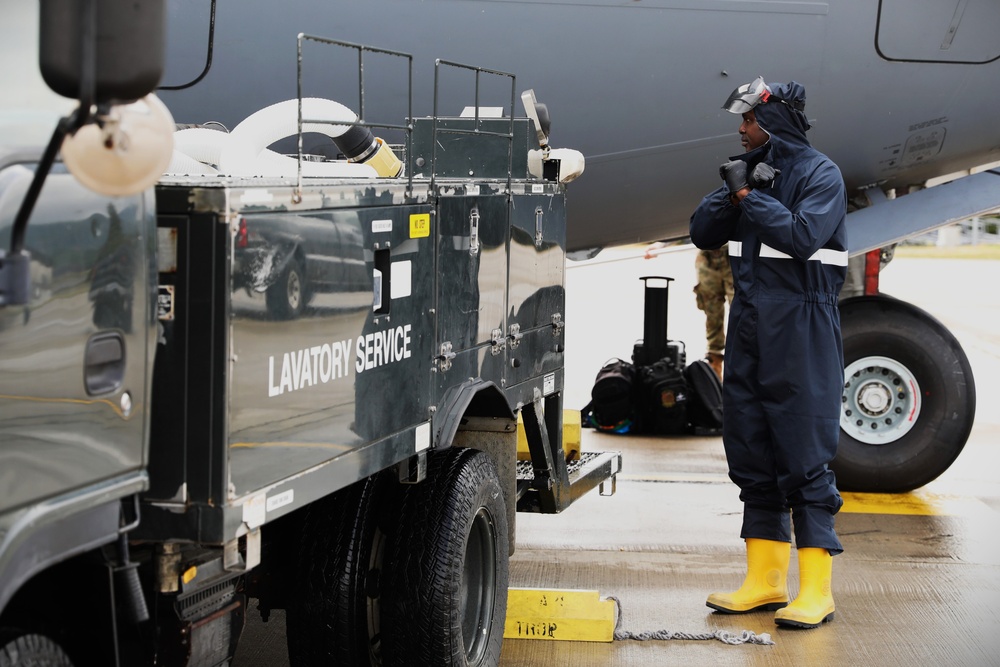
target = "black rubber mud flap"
x: 445, y: 602
x: 909, y: 397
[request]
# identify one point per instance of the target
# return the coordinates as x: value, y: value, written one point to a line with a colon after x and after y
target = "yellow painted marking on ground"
x: 917, y: 503
x: 920, y: 502
x: 552, y: 614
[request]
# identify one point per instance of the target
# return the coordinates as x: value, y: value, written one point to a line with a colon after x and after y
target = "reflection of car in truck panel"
x: 291, y: 258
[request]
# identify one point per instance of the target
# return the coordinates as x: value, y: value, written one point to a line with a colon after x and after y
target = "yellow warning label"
x: 420, y: 225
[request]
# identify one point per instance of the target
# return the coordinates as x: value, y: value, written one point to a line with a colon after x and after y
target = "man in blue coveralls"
x: 782, y: 210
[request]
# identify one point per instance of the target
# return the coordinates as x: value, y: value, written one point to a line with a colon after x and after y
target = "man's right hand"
x: 734, y: 173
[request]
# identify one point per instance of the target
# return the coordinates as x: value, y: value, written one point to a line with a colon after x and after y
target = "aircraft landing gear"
x: 909, y: 397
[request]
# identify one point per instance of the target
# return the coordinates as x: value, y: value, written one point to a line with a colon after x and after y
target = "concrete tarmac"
x: 918, y: 583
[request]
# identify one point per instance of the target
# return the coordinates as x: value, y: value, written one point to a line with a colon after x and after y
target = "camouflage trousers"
x: 714, y: 289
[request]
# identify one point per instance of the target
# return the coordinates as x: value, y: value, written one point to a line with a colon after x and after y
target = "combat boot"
x: 814, y: 603
x: 765, y: 586
x: 714, y: 360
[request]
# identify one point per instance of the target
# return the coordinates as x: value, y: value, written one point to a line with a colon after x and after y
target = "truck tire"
x: 333, y: 616
x: 446, y: 600
x: 19, y: 649
x: 909, y: 397
x: 286, y: 298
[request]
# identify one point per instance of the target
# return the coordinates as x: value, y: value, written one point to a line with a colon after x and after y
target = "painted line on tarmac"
x: 917, y: 503
x: 921, y: 503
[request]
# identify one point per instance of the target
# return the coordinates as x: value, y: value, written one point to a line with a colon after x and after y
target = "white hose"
x: 201, y: 144
x: 244, y: 152
x: 240, y: 156
x: 182, y: 164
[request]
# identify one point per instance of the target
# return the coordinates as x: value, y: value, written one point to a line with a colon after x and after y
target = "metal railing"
x: 477, y: 128
x: 361, y: 50
x: 478, y: 122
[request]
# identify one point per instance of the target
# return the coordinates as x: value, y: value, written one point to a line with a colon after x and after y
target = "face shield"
x: 747, y: 96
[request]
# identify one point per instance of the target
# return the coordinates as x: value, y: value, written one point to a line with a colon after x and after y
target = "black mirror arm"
x: 15, y: 278
x: 208, y: 55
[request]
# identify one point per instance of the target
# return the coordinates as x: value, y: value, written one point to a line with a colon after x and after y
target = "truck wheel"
x: 286, y: 298
x: 333, y: 616
x: 909, y: 397
x: 19, y: 649
x: 446, y: 601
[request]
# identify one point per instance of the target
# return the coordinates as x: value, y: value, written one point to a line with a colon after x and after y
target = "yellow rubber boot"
x: 765, y: 586
x: 814, y: 603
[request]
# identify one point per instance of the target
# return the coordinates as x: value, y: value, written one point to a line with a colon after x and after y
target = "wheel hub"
x: 294, y: 291
x: 881, y: 400
x: 478, y: 586
x: 874, y: 399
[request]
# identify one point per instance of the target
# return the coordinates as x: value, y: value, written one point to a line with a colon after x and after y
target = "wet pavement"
x: 917, y: 584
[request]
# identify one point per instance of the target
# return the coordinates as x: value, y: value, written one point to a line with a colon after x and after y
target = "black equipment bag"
x: 612, y: 400
x: 675, y: 351
x: 663, y: 398
x: 705, y: 398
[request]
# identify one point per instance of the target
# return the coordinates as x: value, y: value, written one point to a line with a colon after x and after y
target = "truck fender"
x: 472, y: 398
x: 35, y: 538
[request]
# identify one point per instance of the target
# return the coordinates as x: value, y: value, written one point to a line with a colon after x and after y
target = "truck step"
x: 591, y: 470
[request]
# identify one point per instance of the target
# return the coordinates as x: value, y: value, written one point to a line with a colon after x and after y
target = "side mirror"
x: 109, y: 55
x: 129, y: 44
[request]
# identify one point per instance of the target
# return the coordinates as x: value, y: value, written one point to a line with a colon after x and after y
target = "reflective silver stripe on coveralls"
x: 823, y: 255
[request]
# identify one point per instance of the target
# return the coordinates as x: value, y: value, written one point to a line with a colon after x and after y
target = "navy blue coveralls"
x: 784, y: 370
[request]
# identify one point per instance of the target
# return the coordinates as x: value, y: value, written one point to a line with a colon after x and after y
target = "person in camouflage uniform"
x: 713, y: 291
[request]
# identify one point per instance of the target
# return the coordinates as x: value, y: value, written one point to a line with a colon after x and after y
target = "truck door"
x: 73, y: 361
x: 537, y: 299
x: 471, y: 287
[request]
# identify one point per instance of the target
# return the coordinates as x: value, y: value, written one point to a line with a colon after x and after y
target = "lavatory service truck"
x: 294, y: 380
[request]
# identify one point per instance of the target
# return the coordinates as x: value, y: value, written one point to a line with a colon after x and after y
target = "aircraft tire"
x: 20, y: 649
x: 909, y: 397
x: 334, y: 612
x: 447, y: 601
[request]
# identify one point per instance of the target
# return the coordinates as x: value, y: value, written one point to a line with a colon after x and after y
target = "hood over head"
x: 783, y: 114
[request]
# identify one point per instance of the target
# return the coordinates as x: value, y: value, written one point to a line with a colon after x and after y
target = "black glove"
x: 734, y: 173
x: 763, y: 175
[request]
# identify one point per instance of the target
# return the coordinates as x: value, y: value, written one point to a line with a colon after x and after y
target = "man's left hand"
x: 734, y: 173
x: 763, y: 176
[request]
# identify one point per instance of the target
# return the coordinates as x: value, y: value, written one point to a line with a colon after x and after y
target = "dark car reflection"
x: 291, y: 258
x: 113, y: 275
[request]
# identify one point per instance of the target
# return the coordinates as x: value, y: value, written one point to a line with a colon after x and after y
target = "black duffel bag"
x: 705, y: 401
x: 612, y: 400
